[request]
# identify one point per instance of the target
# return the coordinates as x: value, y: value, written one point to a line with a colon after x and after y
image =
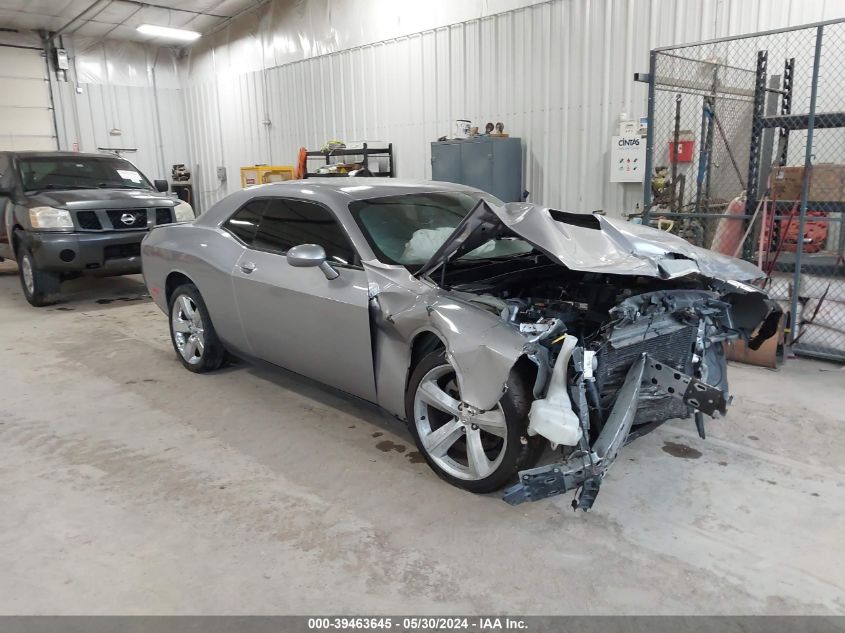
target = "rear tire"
x: 192, y: 332
x: 40, y: 288
x: 481, y: 457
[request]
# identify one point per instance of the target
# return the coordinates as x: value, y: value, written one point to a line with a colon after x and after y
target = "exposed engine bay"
x: 587, y: 333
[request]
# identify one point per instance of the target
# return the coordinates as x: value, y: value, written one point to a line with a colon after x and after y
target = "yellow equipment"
x: 262, y: 174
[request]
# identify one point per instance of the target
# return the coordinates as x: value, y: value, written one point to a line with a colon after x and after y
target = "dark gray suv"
x: 66, y: 214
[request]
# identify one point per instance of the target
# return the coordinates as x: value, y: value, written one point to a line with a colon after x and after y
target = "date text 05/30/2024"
x: 418, y: 623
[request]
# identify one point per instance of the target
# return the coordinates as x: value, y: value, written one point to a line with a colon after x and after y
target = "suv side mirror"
x: 310, y: 255
x: 161, y: 186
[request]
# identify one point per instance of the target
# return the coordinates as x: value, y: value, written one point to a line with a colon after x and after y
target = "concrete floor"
x: 129, y: 485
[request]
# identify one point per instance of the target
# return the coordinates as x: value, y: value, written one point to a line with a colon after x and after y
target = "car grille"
x: 138, y: 219
x: 122, y: 251
x: 164, y: 215
x: 88, y: 220
x: 673, y: 349
x: 94, y: 221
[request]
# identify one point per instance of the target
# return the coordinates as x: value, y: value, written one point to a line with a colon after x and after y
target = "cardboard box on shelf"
x: 786, y: 183
x: 827, y: 183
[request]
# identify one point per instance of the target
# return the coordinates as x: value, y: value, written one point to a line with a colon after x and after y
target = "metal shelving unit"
x: 828, y: 265
x: 366, y: 152
x: 780, y: 99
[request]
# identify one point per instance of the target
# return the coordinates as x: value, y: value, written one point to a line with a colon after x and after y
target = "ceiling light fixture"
x: 165, y: 31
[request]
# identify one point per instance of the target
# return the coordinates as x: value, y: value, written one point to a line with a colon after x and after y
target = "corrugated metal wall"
x: 132, y: 110
x: 125, y: 86
x: 558, y: 74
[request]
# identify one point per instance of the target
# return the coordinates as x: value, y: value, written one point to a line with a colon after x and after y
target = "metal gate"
x: 746, y: 156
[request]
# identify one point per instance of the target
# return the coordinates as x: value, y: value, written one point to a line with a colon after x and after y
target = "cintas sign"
x: 627, y: 158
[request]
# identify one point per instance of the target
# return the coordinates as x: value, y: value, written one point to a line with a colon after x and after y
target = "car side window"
x: 287, y: 223
x: 244, y: 222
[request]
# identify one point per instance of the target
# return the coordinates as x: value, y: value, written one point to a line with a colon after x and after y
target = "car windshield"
x: 84, y: 172
x: 408, y: 229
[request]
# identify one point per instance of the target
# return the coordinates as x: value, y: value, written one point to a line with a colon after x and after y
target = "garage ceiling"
x: 118, y: 19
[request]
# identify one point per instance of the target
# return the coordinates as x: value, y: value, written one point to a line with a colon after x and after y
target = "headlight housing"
x: 183, y: 212
x: 46, y: 218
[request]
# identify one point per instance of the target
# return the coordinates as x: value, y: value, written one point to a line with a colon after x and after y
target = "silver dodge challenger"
x: 495, y: 330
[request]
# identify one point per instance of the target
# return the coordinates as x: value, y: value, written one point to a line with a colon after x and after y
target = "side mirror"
x: 161, y: 186
x: 310, y: 255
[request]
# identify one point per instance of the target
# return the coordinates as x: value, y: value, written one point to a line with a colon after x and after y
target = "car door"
x: 296, y: 317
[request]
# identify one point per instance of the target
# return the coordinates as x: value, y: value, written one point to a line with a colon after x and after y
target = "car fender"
x: 481, y: 346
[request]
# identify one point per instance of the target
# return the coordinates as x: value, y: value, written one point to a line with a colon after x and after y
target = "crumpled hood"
x: 73, y: 199
x: 589, y: 243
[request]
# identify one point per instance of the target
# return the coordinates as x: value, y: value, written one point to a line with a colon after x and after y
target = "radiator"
x: 674, y: 348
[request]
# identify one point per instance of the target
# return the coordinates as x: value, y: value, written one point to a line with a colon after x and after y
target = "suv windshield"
x: 84, y: 172
x: 408, y: 229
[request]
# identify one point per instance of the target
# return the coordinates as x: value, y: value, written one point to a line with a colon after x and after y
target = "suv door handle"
x: 248, y: 267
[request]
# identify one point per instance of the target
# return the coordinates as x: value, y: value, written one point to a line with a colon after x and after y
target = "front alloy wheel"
x: 465, y: 446
x: 475, y: 450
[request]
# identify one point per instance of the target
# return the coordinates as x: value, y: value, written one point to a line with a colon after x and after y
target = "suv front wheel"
x: 40, y: 288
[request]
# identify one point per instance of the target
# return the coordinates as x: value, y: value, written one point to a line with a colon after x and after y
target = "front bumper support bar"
x: 586, y: 470
x: 581, y: 469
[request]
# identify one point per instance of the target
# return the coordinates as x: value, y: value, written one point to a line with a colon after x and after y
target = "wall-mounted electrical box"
x: 627, y: 158
x: 221, y: 174
x: 683, y: 152
x: 61, y: 59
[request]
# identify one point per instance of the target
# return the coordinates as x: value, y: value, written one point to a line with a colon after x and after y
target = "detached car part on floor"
x: 66, y: 214
x: 493, y: 329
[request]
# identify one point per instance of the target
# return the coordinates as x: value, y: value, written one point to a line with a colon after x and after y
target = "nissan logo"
x: 128, y: 219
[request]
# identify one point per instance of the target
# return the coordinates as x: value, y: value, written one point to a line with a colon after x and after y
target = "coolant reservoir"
x: 552, y: 416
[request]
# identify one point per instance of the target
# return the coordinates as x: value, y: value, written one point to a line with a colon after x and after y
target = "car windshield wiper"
x: 499, y: 258
x: 110, y: 185
x: 57, y: 188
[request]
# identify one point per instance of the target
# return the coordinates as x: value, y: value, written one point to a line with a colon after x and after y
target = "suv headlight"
x: 183, y: 212
x: 50, y: 218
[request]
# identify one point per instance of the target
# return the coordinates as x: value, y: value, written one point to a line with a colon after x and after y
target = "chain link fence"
x: 746, y: 157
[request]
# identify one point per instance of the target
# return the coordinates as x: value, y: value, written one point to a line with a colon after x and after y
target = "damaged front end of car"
x: 624, y: 325
x: 660, y: 356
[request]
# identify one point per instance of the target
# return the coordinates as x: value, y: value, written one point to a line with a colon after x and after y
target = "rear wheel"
x: 480, y: 453
x: 192, y: 332
x: 40, y: 288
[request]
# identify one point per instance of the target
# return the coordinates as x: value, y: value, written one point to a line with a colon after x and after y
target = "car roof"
x: 361, y: 188
x: 333, y: 192
x: 37, y: 154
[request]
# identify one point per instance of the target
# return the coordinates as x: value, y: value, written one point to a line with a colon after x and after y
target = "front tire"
x: 480, y: 453
x: 40, y: 288
x: 192, y: 333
